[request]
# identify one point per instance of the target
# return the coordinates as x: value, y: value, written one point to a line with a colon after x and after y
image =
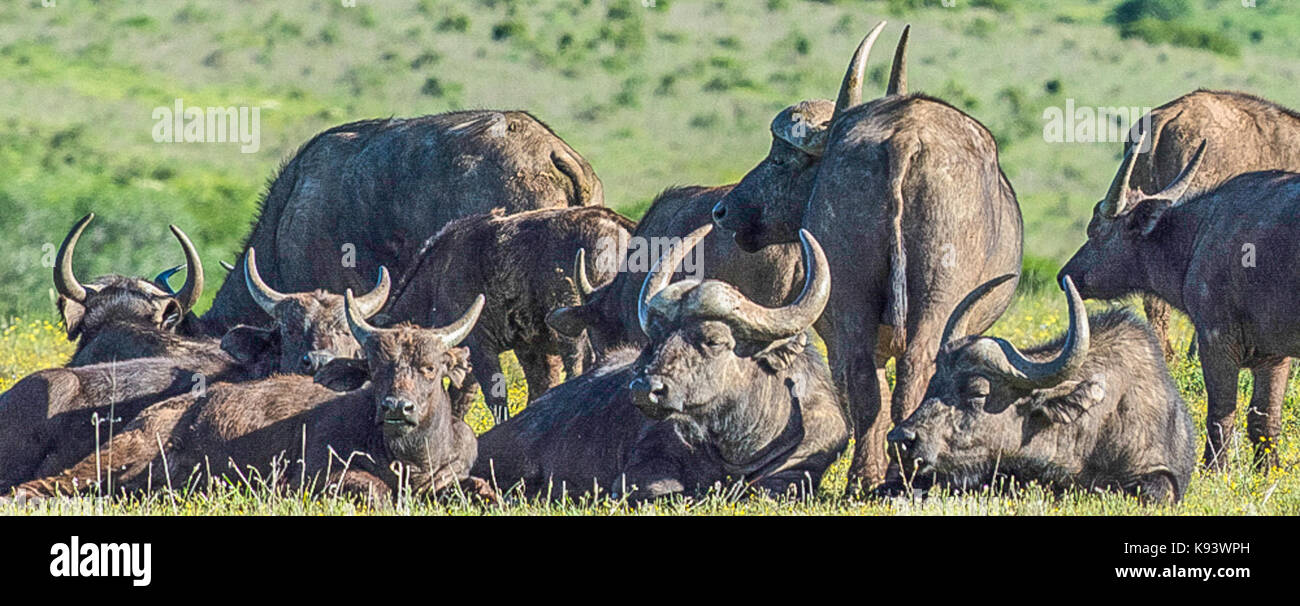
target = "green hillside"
x: 680, y: 92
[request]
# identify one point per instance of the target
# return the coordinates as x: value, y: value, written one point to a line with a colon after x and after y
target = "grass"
x: 678, y: 93
x: 1033, y: 317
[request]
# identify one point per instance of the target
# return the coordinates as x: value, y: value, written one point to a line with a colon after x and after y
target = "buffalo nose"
x: 902, y: 437
x: 398, y: 405
x: 654, y: 388
x: 719, y: 211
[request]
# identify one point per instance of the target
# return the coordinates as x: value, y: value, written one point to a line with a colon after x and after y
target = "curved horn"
x: 662, y: 273
x: 1008, y: 360
x: 898, y: 73
x: 370, y: 303
x: 785, y: 322
x: 1174, y: 191
x: 163, y: 276
x: 64, y: 281
x: 1117, y: 197
x: 958, y: 319
x: 189, y: 294
x: 851, y: 88
x: 580, y: 275
x: 361, y: 331
x: 265, y: 296
x: 454, y: 333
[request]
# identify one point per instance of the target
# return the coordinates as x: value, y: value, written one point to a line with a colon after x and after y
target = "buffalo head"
x: 708, y: 341
x: 406, y: 367
x: 88, y: 308
x: 310, y: 328
x: 987, y: 399
x: 767, y: 206
x: 1122, y: 229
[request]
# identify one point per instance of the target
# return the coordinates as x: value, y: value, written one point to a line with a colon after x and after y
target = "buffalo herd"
x: 681, y: 353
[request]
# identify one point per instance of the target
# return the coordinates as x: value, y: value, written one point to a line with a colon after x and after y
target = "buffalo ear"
x: 1068, y: 401
x: 1145, y: 217
x: 569, y: 321
x: 247, y: 344
x: 458, y: 366
x: 343, y: 374
x: 779, y: 355
x: 173, y: 315
x: 72, y: 313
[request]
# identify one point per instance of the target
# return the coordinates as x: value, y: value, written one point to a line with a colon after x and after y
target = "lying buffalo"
x: 517, y: 261
x: 769, y: 277
x: 119, y: 318
x: 907, y: 194
x: 1095, y: 409
x: 369, y: 193
x: 47, y: 416
x: 725, y: 391
x: 396, y: 431
x: 1227, y: 258
x: 1263, y: 136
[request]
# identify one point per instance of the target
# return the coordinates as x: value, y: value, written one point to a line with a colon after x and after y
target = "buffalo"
x: 48, y: 415
x: 1095, y: 409
x: 1225, y: 257
x: 517, y: 261
x: 1263, y: 135
x: 726, y: 390
x: 369, y: 193
x: 115, y: 317
x: 396, y: 432
x: 607, y: 313
x: 907, y: 193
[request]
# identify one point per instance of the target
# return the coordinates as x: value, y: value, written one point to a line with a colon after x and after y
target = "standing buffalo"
x: 1095, y: 409
x: 1227, y: 258
x: 1263, y: 136
x: 348, y: 441
x: 47, y: 415
x: 608, y: 313
x: 726, y: 391
x: 517, y: 261
x: 119, y: 318
x: 907, y: 194
x: 370, y: 193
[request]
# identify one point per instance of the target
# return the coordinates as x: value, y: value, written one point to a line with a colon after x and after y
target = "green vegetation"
x: 681, y: 93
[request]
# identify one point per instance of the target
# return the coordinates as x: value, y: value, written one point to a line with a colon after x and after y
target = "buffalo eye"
x: 975, y: 389
x: 429, y: 369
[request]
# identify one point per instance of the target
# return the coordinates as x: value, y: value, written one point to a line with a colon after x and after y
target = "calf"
x: 518, y: 261
x: 119, y: 318
x: 726, y: 390
x: 1227, y: 257
x: 1095, y: 409
x: 398, y: 430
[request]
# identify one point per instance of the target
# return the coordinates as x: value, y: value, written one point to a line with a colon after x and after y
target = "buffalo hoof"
x: 479, y: 488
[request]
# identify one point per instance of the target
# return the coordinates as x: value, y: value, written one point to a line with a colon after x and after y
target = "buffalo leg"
x: 1158, y: 313
x: 487, y: 371
x: 1264, y: 417
x: 542, y: 371
x: 862, y: 378
x: 1220, y: 372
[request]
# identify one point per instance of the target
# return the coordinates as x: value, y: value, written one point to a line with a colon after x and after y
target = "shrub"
x: 1131, y: 11
x: 1177, y: 34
